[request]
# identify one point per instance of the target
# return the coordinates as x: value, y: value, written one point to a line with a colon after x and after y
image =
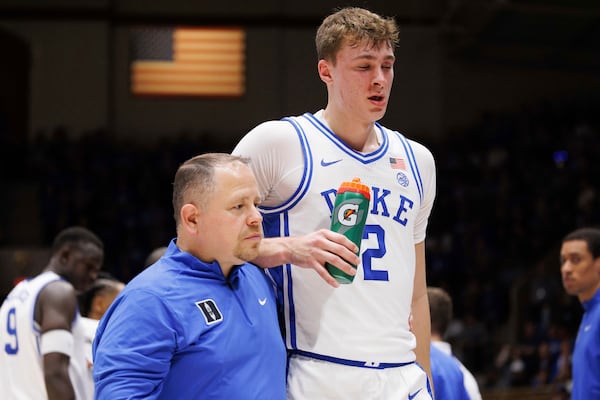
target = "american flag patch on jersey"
x: 397, y: 163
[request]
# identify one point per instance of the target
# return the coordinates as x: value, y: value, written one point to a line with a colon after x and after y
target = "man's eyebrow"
x: 367, y: 56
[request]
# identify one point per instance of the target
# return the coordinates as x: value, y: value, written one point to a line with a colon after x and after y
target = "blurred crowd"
x: 509, y: 188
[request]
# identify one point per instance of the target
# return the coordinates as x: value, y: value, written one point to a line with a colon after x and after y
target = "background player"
x: 42, y: 354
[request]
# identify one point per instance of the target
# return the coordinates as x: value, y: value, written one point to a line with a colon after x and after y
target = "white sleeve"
x: 426, y: 165
x: 276, y: 159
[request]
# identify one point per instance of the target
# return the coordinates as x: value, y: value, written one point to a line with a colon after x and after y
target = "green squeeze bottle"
x: 348, y: 218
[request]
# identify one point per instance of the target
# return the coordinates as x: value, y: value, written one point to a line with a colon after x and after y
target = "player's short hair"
x: 352, y: 26
x: 75, y: 235
x: 588, y: 234
x: 440, y: 309
x: 195, y: 177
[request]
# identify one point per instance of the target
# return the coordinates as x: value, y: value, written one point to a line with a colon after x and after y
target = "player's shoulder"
x: 420, y: 151
x: 269, y: 134
x: 274, y: 127
x: 58, y: 291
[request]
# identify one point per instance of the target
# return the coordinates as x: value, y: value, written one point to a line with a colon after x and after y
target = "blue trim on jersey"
x: 351, y: 363
x: 413, y: 164
x: 276, y: 225
x: 363, y: 158
x: 291, y: 308
x: 272, y: 228
x: 306, y: 176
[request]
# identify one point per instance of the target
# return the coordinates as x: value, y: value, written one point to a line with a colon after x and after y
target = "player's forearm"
x: 58, y: 387
x: 422, y: 330
x: 273, y: 252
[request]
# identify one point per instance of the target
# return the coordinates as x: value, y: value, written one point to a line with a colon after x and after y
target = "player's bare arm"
x: 310, y: 251
x: 421, y: 323
x: 56, y: 309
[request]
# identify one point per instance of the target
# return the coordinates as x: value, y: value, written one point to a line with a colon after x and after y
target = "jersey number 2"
x: 369, y: 254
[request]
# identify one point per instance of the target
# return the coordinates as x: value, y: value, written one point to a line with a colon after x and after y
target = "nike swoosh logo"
x: 262, y: 302
x: 327, y: 164
x: 412, y: 396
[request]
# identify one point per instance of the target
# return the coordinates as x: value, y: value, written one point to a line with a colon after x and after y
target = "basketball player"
x: 353, y: 341
x: 580, y: 270
x: 42, y: 353
x: 200, y: 323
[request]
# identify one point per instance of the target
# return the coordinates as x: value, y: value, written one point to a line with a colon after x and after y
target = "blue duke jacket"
x: 181, y: 330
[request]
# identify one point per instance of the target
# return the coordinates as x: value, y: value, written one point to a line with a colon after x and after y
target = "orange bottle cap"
x: 355, y: 186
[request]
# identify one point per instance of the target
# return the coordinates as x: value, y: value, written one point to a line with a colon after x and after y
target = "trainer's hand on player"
x: 324, y: 246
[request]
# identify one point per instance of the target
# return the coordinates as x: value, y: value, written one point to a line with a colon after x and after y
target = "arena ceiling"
x: 548, y: 33
x: 551, y: 33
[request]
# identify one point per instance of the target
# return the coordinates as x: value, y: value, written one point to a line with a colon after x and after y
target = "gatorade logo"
x: 347, y: 214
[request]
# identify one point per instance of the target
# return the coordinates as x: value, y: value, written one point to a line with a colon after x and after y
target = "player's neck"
x: 356, y: 134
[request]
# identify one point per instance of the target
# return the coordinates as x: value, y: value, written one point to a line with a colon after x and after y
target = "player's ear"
x: 64, y: 252
x: 324, y: 68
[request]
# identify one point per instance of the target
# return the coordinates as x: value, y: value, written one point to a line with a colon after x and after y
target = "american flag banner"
x: 188, y: 61
x: 397, y: 163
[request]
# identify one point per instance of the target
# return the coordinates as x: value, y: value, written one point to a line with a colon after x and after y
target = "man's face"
x: 84, y: 261
x: 579, y: 270
x: 230, y: 222
x: 361, y: 80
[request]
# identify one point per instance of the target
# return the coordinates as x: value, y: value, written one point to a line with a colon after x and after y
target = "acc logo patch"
x: 210, y: 311
x: 402, y: 179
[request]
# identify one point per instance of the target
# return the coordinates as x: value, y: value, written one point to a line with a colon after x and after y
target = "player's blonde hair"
x: 354, y: 26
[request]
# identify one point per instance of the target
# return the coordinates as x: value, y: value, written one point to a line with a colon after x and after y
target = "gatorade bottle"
x: 348, y: 218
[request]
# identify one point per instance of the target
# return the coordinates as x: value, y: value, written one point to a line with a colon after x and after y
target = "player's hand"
x: 324, y: 246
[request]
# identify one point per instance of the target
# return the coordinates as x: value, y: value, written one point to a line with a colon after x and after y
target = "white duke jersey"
x: 21, y: 363
x: 299, y: 164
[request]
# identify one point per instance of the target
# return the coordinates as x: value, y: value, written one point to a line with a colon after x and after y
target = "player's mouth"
x: 377, y: 100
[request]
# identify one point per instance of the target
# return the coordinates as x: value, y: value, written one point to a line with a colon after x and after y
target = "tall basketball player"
x: 352, y: 341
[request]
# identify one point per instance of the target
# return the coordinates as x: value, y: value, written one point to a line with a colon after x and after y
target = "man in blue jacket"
x: 201, y: 322
x: 580, y: 271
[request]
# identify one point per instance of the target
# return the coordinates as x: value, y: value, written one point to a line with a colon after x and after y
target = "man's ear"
x: 64, y: 253
x: 189, y: 215
x: 324, y: 68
